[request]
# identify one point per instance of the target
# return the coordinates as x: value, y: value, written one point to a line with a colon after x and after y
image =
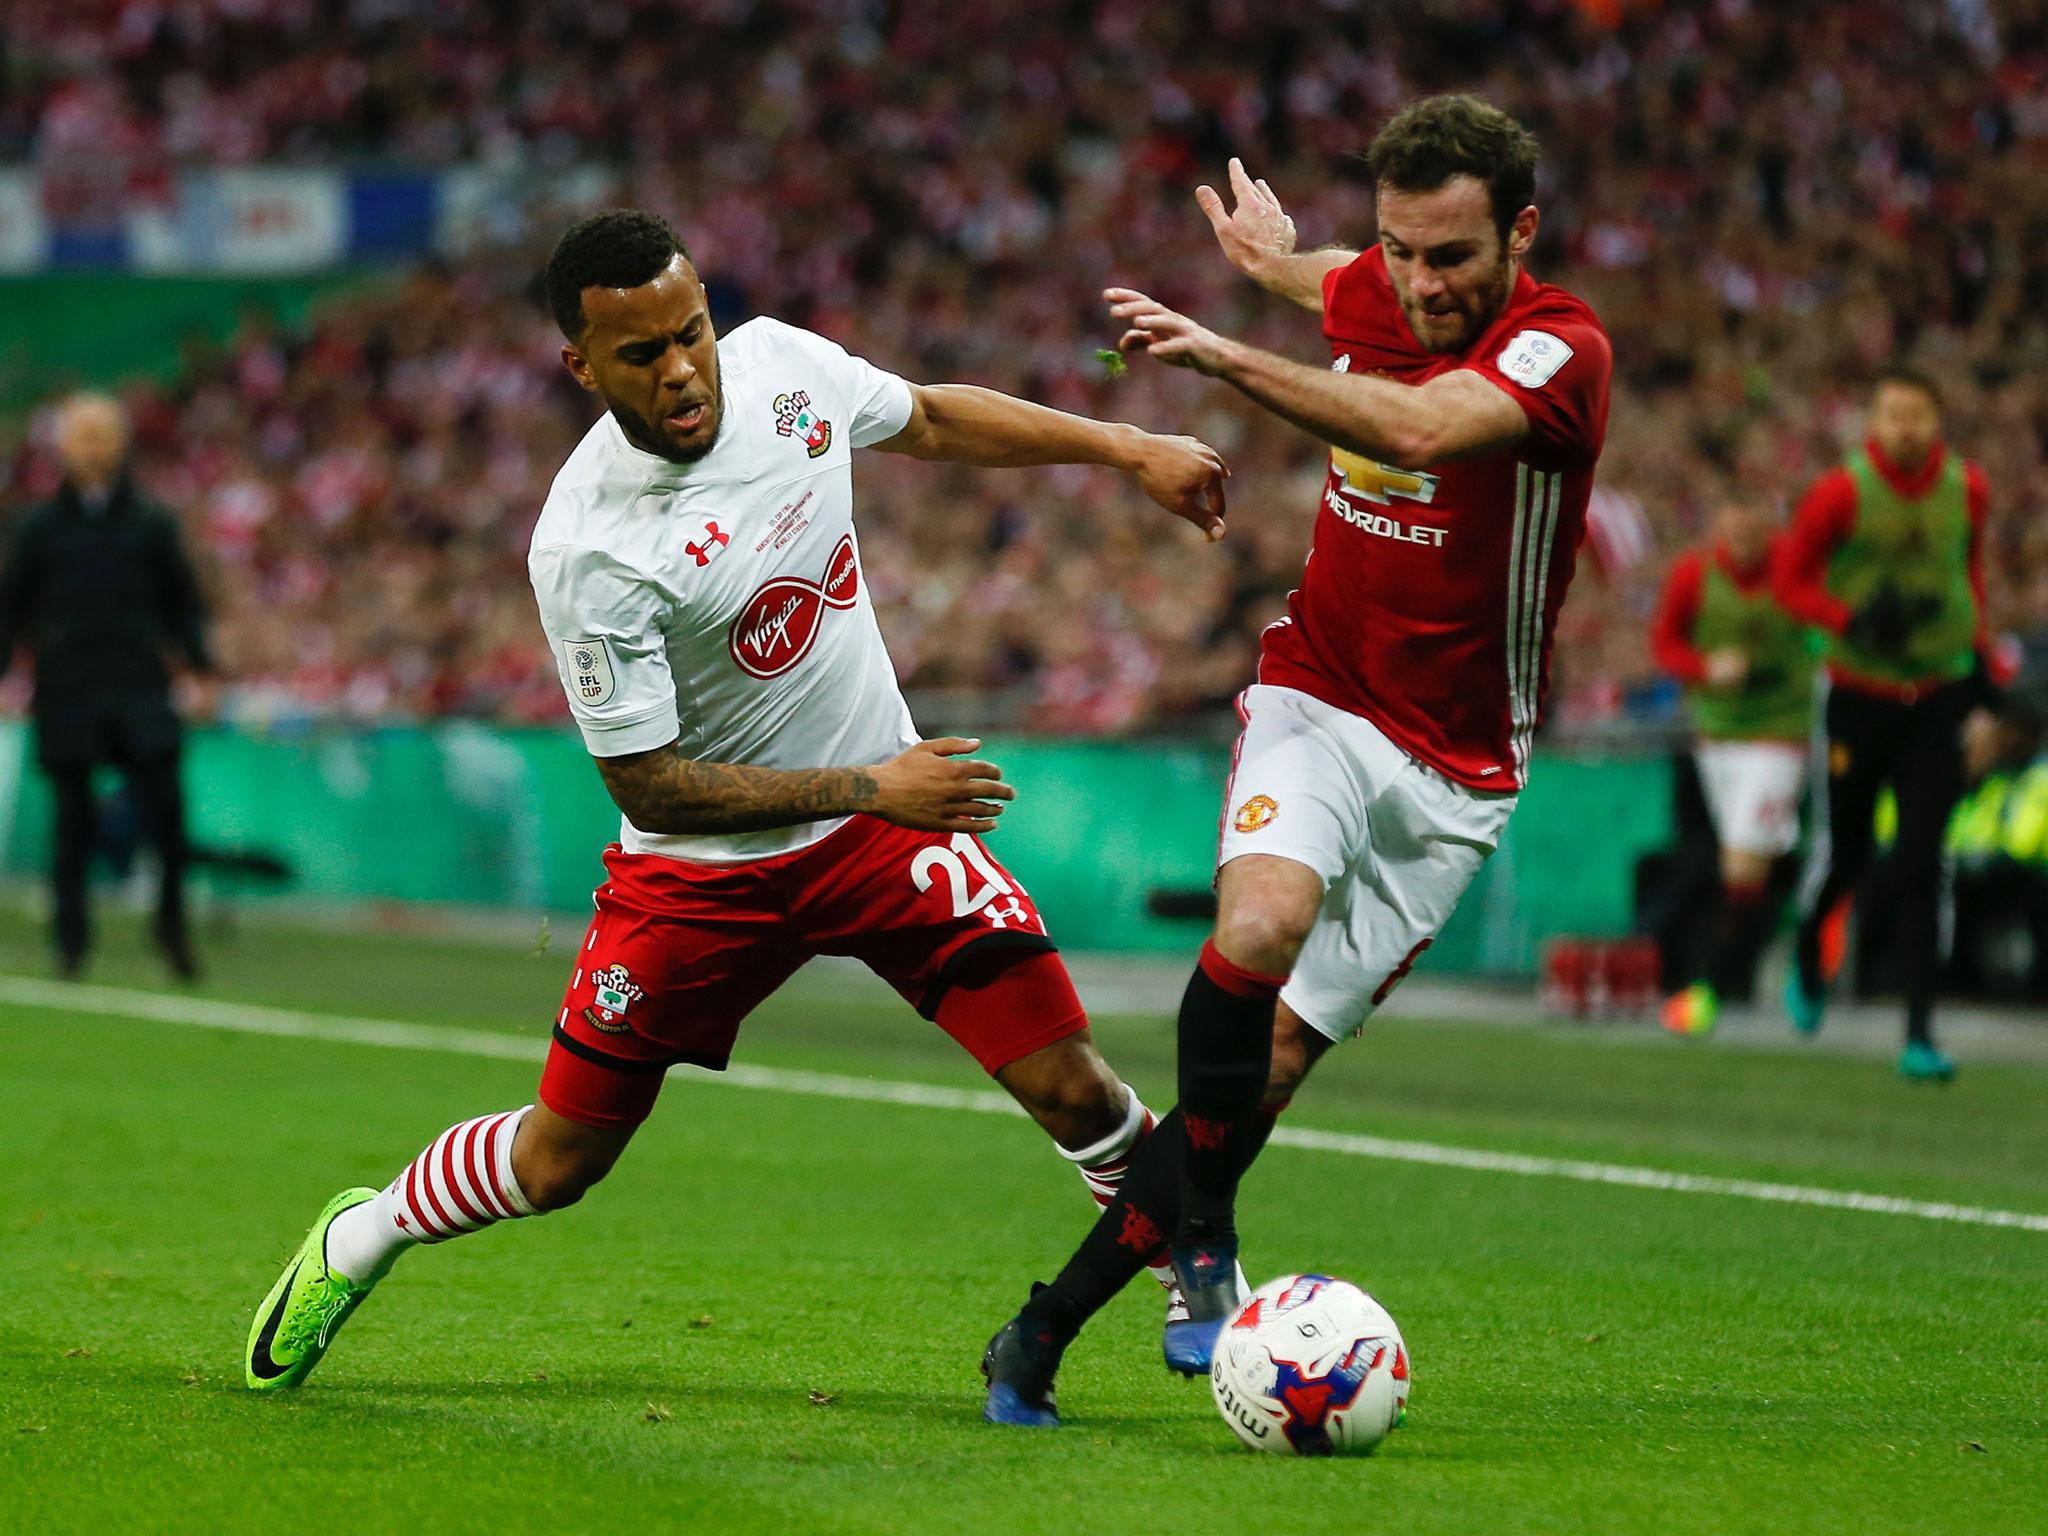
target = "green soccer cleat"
x: 1921, y: 1062
x: 1693, y: 1011
x: 299, y: 1317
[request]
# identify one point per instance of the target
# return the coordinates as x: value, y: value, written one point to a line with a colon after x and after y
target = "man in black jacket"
x: 97, y: 586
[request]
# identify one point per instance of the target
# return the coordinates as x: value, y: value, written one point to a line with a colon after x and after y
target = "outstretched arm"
x: 927, y: 787
x: 965, y: 424
x: 1455, y: 415
x: 1258, y: 239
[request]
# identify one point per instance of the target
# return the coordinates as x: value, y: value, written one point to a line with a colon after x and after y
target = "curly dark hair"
x: 1430, y: 141
x: 619, y: 248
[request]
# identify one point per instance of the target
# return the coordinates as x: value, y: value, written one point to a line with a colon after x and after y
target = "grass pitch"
x: 768, y: 1319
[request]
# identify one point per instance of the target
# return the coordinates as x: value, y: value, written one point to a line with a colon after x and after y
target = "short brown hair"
x: 1908, y: 378
x: 1432, y: 140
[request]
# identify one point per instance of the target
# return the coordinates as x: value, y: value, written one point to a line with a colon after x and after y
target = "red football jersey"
x: 1431, y: 593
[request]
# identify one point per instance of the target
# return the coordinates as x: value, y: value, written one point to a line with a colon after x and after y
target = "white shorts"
x: 1753, y: 790
x: 1395, y: 843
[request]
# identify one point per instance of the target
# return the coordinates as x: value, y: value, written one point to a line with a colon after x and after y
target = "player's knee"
x: 1743, y: 868
x: 1265, y: 937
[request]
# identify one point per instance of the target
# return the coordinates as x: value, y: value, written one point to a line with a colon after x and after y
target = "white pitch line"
x: 394, y: 1034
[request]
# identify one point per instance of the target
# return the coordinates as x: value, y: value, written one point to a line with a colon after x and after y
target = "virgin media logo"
x: 779, y: 624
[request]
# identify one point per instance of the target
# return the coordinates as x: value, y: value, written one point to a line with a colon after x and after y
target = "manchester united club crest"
x: 1256, y: 813
x: 795, y: 418
x: 613, y: 992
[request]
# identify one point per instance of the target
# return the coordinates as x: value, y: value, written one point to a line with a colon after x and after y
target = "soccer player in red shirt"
x: 1389, y: 730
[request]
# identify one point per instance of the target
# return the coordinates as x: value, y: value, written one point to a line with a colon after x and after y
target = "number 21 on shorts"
x: 955, y: 861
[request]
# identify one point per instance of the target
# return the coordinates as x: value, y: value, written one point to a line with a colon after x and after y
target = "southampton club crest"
x: 614, y: 992
x: 795, y: 418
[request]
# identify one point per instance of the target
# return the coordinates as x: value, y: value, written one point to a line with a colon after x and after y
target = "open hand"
x: 1170, y: 337
x: 1255, y: 234
x: 931, y: 789
x: 1727, y: 668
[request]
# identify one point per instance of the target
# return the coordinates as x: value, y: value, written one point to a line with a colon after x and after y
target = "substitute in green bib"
x: 1748, y: 670
x: 1885, y: 557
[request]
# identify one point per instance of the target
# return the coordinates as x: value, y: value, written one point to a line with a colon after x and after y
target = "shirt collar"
x: 667, y: 474
x: 1910, y: 483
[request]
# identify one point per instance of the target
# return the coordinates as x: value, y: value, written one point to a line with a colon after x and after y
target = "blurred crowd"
x: 1763, y: 202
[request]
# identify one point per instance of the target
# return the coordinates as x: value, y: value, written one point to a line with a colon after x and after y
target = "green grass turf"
x: 1588, y: 1359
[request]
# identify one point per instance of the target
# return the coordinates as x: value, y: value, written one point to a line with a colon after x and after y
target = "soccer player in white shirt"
x: 699, y: 579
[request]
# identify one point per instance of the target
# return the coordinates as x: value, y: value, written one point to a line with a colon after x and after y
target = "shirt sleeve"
x: 1556, y: 369
x: 1799, y: 566
x: 18, y: 580
x: 1333, y: 280
x: 878, y: 401
x: 605, y: 625
x: 1671, y: 632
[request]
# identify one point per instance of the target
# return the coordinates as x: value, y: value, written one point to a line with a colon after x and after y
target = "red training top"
x: 1431, y: 593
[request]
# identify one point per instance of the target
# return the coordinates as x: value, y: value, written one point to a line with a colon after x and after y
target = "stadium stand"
x: 362, y: 489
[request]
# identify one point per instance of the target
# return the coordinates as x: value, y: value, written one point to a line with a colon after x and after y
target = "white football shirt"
x: 720, y: 604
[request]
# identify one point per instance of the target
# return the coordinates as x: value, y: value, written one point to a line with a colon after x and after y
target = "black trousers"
x: 1917, y: 749
x: 159, y: 799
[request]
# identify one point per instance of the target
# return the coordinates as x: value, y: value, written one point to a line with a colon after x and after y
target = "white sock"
x: 462, y: 1183
x: 1103, y: 1164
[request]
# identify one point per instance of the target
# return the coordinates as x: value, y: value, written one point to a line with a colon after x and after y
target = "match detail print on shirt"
x: 1532, y: 358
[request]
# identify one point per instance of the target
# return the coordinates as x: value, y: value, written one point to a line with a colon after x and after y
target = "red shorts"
x: 679, y: 954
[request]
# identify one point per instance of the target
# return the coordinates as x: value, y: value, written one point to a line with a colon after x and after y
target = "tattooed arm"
x: 928, y: 787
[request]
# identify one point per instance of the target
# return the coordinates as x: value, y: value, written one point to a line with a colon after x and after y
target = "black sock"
x: 1920, y: 1023
x: 1740, y: 928
x: 1806, y: 956
x: 1226, y: 1053
x: 1126, y: 1237
x: 1131, y: 1232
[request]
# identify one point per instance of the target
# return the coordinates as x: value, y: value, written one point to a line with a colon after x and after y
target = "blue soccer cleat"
x: 1922, y: 1062
x: 1213, y: 1287
x: 1020, y: 1363
x: 1805, y: 1009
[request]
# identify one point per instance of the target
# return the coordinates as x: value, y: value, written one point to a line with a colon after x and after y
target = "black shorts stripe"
x: 949, y: 973
x: 633, y: 1065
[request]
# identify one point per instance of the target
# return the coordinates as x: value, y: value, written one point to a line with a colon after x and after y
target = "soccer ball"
x: 1310, y: 1366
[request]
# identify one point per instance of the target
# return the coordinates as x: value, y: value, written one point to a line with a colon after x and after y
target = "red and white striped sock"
x: 1102, y: 1165
x: 462, y: 1183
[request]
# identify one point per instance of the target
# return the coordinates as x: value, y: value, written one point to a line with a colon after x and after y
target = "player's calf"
x: 1076, y: 1098
x: 1297, y: 1047
x: 557, y: 1161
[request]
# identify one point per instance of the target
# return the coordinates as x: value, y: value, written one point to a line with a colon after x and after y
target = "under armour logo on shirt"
x: 714, y: 541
